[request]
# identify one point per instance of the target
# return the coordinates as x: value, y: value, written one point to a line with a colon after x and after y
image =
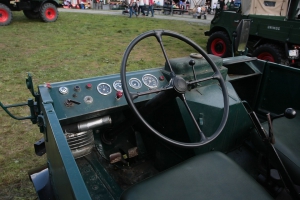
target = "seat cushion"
x: 287, y: 144
x: 209, y: 176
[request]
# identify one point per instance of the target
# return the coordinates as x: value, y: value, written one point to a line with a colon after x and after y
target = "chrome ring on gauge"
x: 88, y: 99
x: 135, y: 83
x: 150, y: 81
x: 104, y: 88
x: 118, y: 85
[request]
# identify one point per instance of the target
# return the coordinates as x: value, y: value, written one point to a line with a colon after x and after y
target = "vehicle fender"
x: 207, y: 33
x: 42, y: 184
x: 216, y: 29
x: 54, y: 2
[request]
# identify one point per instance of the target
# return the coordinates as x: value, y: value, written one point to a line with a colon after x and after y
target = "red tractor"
x: 40, y: 9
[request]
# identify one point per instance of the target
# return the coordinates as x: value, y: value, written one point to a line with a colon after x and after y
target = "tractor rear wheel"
x: 49, y: 12
x: 5, y: 15
x: 269, y: 52
x: 219, y: 44
x: 31, y: 14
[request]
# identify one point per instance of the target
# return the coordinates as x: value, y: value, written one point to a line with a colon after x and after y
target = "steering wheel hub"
x: 179, y: 84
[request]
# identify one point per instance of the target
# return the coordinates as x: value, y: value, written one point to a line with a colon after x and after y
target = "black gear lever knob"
x: 192, y: 62
x: 290, y: 113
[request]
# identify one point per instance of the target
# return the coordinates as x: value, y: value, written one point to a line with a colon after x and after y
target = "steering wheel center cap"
x: 180, y: 84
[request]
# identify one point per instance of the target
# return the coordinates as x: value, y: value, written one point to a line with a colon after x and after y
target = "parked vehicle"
x: 40, y: 9
x: 273, y: 34
x: 200, y: 127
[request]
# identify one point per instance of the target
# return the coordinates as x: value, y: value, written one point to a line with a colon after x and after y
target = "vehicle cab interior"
x: 199, y: 127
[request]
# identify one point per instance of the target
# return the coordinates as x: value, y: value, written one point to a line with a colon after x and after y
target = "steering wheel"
x: 177, y: 87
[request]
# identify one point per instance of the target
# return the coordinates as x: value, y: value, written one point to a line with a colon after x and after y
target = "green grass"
x: 75, y: 46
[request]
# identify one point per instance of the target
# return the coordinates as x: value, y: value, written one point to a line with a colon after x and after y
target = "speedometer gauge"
x: 118, y: 85
x: 150, y: 81
x: 104, y: 88
x: 135, y: 83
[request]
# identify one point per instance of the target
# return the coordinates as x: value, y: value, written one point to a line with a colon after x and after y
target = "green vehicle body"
x: 263, y: 86
x: 45, y: 10
x: 271, y: 37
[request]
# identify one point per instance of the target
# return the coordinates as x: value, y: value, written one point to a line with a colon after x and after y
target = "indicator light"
x: 88, y: 86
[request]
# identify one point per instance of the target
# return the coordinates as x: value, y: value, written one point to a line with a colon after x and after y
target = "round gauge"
x: 104, y: 88
x: 118, y: 85
x: 88, y: 99
x: 63, y: 90
x: 150, y: 81
x: 135, y: 83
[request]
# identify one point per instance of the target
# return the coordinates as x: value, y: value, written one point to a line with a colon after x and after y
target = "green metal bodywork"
x: 266, y: 87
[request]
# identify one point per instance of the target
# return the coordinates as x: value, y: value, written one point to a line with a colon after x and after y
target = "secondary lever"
x: 289, y: 113
x: 73, y: 101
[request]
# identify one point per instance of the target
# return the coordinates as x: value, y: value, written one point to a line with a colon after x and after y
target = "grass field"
x: 75, y: 46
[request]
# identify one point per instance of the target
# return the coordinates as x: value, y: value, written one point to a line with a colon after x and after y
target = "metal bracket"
x: 30, y: 103
x: 43, y: 126
x: 39, y: 147
x: 33, y: 106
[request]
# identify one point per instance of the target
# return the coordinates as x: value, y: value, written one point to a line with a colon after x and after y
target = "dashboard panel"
x: 79, y: 97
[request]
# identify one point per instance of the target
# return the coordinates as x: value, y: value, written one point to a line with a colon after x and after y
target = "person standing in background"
x: 146, y: 5
x: 150, y: 7
x: 132, y: 7
x: 95, y: 4
x: 141, y: 8
x: 101, y: 4
x: 222, y: 4
x: 214, y: 8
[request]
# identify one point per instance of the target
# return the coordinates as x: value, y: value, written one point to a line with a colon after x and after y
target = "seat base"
x: 287, y: 139
x: 209, y: 176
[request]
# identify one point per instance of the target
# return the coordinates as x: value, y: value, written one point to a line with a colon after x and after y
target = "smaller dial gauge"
x: 63, y: 90
x: 135, y: 83
x: 118, y: 85
x: 104, y: 88
x: 150, y: 81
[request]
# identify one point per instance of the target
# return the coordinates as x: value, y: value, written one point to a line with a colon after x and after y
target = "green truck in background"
x: 46, y: 10
x: 273, y: 32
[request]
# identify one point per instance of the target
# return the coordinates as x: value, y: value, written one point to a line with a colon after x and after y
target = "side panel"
x: 275, y: 28
x: 279, y: 89
x: 63, y: 170
x: 207, y: 104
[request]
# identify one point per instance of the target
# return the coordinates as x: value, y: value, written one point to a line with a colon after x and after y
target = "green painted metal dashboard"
x: 92, y: 95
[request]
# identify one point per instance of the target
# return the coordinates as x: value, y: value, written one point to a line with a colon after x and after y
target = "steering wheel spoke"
x: 202, y: 136
x: 216, y: 75
x: 135, y: 95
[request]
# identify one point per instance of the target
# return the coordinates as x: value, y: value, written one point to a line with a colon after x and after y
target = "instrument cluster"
x: 97, y: 94
x: 148, y: 79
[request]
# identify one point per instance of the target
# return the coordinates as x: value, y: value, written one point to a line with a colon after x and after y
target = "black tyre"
x: 5, y: 15
x: 219, y: 44
x: 269, y: 52
x: 31, y: 14
x: 49, y: 12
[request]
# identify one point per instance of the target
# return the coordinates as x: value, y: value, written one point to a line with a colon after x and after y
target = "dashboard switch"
x: 77, y: 88
x: 119, y: 94
x: 88, y: 86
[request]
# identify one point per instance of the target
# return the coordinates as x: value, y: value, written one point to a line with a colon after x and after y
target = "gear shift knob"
x: 290, y: 113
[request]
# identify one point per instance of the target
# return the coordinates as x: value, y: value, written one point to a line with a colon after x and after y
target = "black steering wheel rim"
x: 217, y: 74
